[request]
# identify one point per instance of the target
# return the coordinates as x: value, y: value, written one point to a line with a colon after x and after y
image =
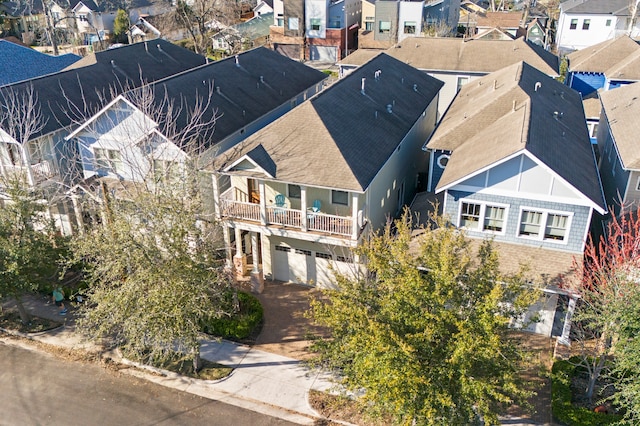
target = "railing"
x: 315, y: 221
x: 40, y: 171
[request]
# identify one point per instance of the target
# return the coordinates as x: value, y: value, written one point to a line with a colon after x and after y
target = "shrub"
x: 242, y: 324
x: 561, y: 405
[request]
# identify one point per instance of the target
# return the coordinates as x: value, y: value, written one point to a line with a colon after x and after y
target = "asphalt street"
x: 40, y: 389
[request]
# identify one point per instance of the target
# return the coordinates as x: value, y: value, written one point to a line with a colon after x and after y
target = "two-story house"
x: 514, y: 161
x: 584, y: 23
x: 618, y: 146
x: 457, y: 62
x: 304, y: 190
x: 197, y: 114
x: 316, y: 30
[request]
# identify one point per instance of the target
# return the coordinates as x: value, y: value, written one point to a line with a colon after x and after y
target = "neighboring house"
x: 304, y: 191
x: 94, y: 24
x: 584, y: 23
x: 315, y: 30
x: 457, y: 62
x: 136, y: 139
x: 508, y: 22
x: 65, y: 99
x: 515, y: 164
x: 493, y: 34
x: 618, y: 146
x: 251, y: 33
x: 536, y: 32
x: 264, y: 7
x: 20, y: 63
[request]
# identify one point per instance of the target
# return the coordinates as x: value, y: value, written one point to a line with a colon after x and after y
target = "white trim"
x: 586, y: 231
x: 249, y: 159
x: 523, y: 195
x: 340, y: 204
x: 102, y: 111
x: 482, y: 215
x: 543, y: 224
x: 443, y: 157
x: 430, y: 178
x: 539, y: 163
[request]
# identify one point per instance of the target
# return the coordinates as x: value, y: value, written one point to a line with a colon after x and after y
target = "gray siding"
x: 386, y: 11
x: 577, y: 231
x: 614, y: 177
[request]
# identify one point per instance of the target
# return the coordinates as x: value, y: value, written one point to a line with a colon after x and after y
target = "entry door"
x: 254, y: 191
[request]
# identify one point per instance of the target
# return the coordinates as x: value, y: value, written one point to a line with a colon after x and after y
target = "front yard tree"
x: 31, y: 252
x: 154, y: 272
x: 425, y: 336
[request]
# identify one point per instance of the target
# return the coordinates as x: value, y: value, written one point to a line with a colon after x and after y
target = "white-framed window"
x: 35, y: 151
x: 443, y: 160
x: 544, y: 225
x: 109, y: 160
x: 339, y: 197
x: 280, y: 20
x: 294, y: 191
x: 574, y: 24
x: 462, y: 80
x: 369, y: 21
x: 293, y: 24
x: 608, y: 23
x: 315, y: 24
x: 638, y: 184
x: 585, y: 24
x: 82, y: 18
x: 384, y: 27
x: 410, y: 27
x: 165, y: 169
x: 484, y: 217
x: 593, y: 130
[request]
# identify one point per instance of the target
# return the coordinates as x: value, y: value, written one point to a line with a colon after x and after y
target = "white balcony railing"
x: 40, y: 171
x: 291, y: 218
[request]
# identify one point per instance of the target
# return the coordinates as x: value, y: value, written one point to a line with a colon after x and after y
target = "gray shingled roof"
x: 454, y: 54
x: 614, y: 7
x: 259, y: 82
x: 341, y: 138
x: 622, y: 108
x: 604, y: 57
x: 508, y: 112
x: 20, y: 63
x: 68, y: 96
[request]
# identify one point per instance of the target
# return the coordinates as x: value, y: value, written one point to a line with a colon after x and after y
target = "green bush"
x: 242, y: 324
x: 561, y: 406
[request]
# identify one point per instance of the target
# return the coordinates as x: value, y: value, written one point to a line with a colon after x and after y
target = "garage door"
x: 293, y: 265
x: 323, y: 53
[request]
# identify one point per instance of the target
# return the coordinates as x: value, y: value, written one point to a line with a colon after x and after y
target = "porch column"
x: 354, y: 216
x: 240, y: 259
x: 27, y: 164
x: 227, y: 247
x: 303, y: 207
x: 566, y: 329
x: 257, y: 279
x: 216, y: 196
x: 263, y: 205
x: 78, y: 214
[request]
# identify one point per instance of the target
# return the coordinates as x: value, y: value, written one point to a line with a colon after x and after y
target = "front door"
x: 254, y: 191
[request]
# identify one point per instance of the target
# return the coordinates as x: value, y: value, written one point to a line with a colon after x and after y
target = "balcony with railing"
x: 238, y: 207
x: 40, y: 172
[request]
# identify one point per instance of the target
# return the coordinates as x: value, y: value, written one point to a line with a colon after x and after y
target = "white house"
x: 583, y: 23
x: 298, y: 195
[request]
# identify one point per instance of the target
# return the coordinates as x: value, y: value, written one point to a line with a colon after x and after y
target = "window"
x: 108, y: 159
x: 530, y: 223
x: 638, y: 185
x: 315, y: 24
x: 294, y: 191
x: 280, y: 20
x: 344, y: 259
x: 470, y: 215
x: 555, y: 224
x: 340, y: 197
x: 35, y: 151
x: 14, y: 157
x: 409, y: 27
x: 493, y: 219
x: 461, y: 82
x: 368, y: 23
x: 283, y: 248
x: 556, y: 228
x: 593, y: 130
x: 608, y: 23
x: 574, y: 24
x: 82, y: 18
x: 164, y: 169
x: 305, y: 252
x: 585, y: 24
x: 293, y: 24
x: 443, y: 160
x: 384, y: 27
x: 323, y: 255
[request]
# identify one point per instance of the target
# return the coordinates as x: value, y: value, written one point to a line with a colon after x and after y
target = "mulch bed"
x: 10, y: 320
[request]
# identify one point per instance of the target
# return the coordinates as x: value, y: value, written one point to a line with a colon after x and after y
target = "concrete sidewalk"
x: 261, y: 381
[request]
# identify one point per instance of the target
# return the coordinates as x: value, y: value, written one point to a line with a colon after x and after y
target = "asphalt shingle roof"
x: 514, y: 110
x: 606, y: 57
x: 341, y: 138
x: 20, y: 63
x: 614, y: 7
x: 69, y: 97
x: 622, y: 108
x: 453, y: 54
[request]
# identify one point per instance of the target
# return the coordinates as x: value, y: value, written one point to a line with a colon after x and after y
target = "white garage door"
x: 324, y: 53
x: 301, y: 266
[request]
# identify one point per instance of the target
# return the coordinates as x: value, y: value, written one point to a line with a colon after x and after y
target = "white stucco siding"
x: 316, y: 14
x: 410, y: 19
x: 600, y: 28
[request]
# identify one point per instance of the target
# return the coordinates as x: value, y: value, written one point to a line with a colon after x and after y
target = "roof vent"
x: 537, y: 86
x: 261, y: 79
x: 113, y: 63
x: 415, y: 87
x: 218, y: 90
x: 376, y: 74
x: 557, y: 115
x: 389, y: 108
x: 362, y: 85
x: 495, y: 84
x: 514, y: 104
x: 237, y: 61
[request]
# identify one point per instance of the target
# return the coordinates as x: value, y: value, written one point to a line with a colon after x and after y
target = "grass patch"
x: 183, y: 365
x: 244, y: 326
x: 340, y: 408
x: 10, y: 320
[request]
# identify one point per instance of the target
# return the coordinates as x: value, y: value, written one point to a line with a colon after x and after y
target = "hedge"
x: 561, y: 396
x: 242, y: 324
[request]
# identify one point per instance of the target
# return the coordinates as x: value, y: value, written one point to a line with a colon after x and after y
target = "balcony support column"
x: 227, y: 247
x: 303, y: 207
x: 257, y: 279
x: 263, y: 205
x: 240, y: 259
x: 216, y: 196
x: 354, y: 216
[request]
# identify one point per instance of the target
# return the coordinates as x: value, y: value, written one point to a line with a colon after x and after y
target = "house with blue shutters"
x: 514, y: 162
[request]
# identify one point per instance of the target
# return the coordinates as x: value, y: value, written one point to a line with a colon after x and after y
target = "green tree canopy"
x: 121, y: 25
x: 425, y: 334
x: 31, y: 251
